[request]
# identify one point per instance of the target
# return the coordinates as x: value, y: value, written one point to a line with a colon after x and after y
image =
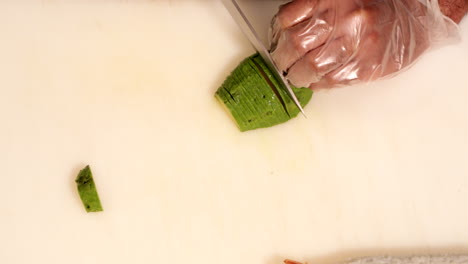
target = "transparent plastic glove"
x: 330, y: 43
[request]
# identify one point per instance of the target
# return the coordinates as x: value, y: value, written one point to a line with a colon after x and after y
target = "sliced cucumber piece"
x: 254, y: 98
x: 87, y: 190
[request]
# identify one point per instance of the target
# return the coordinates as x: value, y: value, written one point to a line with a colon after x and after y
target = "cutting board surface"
x: 127, y: 87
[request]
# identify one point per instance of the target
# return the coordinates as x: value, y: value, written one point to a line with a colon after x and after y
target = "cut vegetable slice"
x: 254, y: 98
x: 87, y: 190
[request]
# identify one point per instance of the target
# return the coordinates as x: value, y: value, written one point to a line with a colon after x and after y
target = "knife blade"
x: 244, y: 24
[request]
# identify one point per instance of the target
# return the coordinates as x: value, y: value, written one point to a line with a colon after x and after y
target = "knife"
x: 241, y: 19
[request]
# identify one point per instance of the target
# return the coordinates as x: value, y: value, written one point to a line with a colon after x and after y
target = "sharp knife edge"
x: 238, y: 15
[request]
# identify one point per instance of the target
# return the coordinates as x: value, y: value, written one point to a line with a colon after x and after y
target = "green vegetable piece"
x: 254, y: 98
x: 87, y: 190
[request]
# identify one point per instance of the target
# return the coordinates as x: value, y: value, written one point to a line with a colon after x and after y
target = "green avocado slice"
x: 254, y: 98
x: 87, y: 190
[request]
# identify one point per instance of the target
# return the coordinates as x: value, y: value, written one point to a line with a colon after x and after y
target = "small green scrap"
x: 87, y: 190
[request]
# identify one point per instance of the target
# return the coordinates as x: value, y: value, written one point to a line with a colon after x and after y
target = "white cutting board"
x: 127, y: 87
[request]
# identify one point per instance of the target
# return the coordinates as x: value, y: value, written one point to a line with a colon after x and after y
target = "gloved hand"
x: 329, y: 43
